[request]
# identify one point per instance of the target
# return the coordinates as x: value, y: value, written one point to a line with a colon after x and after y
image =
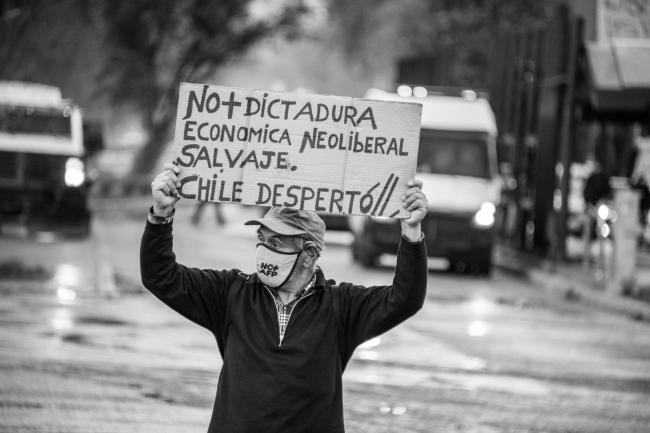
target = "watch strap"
x: 161, y: 219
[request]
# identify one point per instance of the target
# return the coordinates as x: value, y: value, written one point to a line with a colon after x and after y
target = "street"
x: 84, y: 348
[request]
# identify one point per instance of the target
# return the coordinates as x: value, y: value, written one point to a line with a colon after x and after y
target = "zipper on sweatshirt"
x: 280, y: 334
x: 289, y: 318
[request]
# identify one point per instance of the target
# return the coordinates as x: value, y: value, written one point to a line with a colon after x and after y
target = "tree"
x: 376, y: 33
x: 36, y: 37
x: 153, y: 45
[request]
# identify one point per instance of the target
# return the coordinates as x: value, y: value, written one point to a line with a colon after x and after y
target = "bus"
x: 43, y: 180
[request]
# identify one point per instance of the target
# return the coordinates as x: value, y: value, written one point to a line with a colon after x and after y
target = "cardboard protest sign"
x: 324, y: 153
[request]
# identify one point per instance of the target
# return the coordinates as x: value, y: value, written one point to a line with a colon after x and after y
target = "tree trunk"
x: 160, y: 137
x: 160, y: 123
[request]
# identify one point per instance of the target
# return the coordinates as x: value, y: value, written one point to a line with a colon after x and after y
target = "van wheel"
x: 480, y: 268
x: 457, y: 266
x: 84, y: 230
x: 484, y: 266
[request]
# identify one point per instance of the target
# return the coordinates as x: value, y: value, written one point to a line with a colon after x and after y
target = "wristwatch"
x: 157, y: 219
x: 421, y: 238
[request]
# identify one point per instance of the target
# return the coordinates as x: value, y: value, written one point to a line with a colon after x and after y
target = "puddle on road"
x: 102, y: 321
x: 409, y: 377
x: 62, y: 320
x: 157, y: 395
x: 385, y: 375
x: 481, y: 303
x: 478, y: 328
x: 68, y: 328
x: 388, y: 409
x: 416, y: 347
x: 474, y: 364
x: 518, y: 303
x: 77, y: 338
x: 500, y: 383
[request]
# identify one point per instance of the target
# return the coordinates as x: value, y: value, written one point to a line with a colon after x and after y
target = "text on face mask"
x: 268, y: 269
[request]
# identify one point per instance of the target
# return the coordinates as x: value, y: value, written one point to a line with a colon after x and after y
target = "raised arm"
x: 371, y: 311
x: 199, y: 295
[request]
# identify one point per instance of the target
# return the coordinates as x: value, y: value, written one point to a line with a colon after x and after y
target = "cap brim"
x: 276, y: 226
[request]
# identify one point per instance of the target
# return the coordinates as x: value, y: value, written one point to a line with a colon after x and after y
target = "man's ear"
x: 311, y: 253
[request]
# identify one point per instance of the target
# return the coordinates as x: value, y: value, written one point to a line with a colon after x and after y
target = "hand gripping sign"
x: 325, y: 153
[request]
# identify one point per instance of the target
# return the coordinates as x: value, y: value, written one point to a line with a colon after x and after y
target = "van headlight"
x: 74, y: 172
x: 484, y: 217
x: 382, y: 219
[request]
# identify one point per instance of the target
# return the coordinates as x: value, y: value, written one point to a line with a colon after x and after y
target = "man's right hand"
x: 164, y: 190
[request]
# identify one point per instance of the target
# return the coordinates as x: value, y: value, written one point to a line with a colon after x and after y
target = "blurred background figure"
x: 596, y: 193
x: 640, y: 172
x: 198, y: 211
x: 597, y: 186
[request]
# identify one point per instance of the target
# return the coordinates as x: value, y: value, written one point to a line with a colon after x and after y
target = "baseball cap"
x: 294, y: 222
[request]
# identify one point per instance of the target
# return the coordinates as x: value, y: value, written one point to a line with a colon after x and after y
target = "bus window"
x: 28, y: 120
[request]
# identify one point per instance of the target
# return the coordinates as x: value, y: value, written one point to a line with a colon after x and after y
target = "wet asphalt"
x: 83, y: 348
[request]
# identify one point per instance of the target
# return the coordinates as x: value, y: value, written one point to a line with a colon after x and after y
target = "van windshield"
x: 28, y: 120
x: 460, y: 153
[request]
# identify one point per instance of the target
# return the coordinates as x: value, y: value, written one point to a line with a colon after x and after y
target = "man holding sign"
x: 285, y: 333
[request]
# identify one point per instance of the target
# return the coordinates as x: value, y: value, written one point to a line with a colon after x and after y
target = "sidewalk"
x: 572, y: 281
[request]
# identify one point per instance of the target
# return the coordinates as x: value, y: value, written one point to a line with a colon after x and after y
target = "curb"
x: 573, y: 289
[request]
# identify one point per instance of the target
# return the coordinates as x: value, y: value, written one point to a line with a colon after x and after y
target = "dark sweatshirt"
x: 265, y: 385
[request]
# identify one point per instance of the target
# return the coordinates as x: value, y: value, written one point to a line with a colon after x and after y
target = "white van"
x: 457, y: 164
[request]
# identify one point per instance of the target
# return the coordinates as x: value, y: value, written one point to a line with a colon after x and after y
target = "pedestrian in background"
x: 198, y: 210
x: 285, y: 333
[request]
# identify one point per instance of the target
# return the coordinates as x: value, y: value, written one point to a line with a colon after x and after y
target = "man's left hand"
x: 416, y: 202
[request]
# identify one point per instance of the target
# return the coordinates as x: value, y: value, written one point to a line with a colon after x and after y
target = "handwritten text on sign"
x: 325, y: 153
